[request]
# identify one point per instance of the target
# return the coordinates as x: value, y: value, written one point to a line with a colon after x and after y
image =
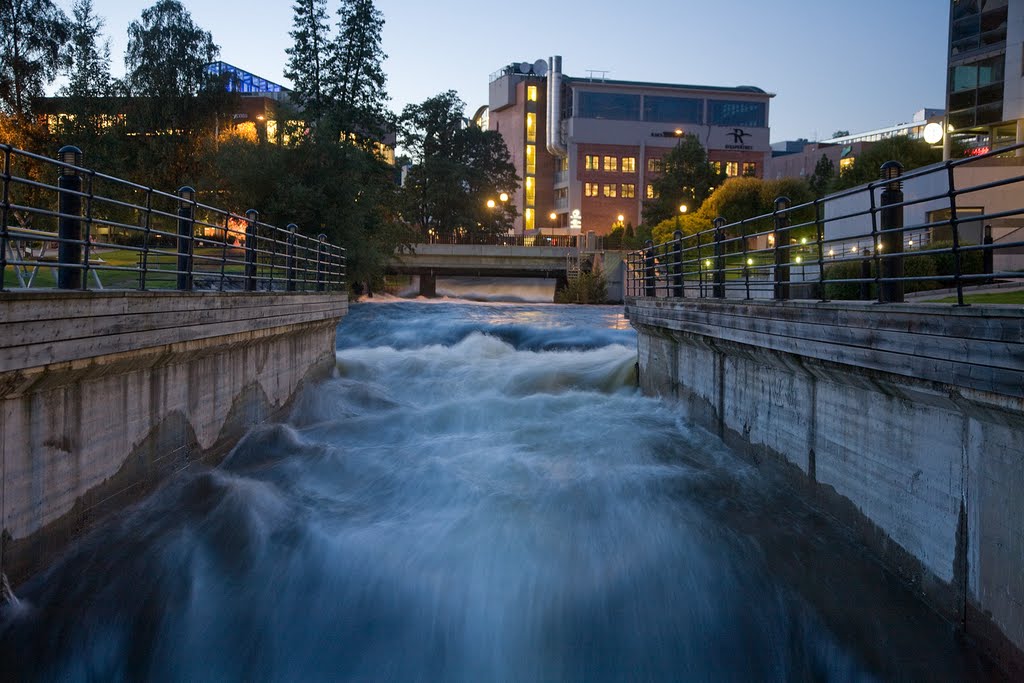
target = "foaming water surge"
x: 480, y: 494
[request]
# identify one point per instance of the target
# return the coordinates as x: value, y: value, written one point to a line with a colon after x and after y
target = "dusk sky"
x: 831, y: 64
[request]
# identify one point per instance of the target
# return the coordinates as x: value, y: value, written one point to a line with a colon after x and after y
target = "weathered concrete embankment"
x: 103, y: 395
x: 906, y: 422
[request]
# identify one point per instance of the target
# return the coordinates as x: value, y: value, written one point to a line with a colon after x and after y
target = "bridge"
x: 555, y: 257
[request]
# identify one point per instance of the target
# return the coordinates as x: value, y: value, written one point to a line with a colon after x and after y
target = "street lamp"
x: 682, y: 208
x: 490, y: 203
x: 503, y: 196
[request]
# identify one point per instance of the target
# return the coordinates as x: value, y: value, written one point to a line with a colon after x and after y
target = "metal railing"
x: 595, y: 243
x: 88, y: 230
x: 951, y: 225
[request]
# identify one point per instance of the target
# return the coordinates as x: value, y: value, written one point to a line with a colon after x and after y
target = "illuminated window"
x: 591, y: 189
x: 611, y: 163
x: 651, y: 192
x: 654, y: 165
x: 629, y: 164
x: 531, y: 159
x: 846, y: 164
x: 531, y: 127
x: 628, y: 190
x: 749, y: 168
x: 563, y: 164
x: 531, y: 191
x: 592, y: 162
x: 529, y: 219
x: 531, y: 93
x: 609, y: 190
x: 716, y: 166
x: 732, y: 168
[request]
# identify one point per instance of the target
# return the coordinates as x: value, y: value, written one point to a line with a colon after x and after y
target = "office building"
x: 985, y: 83
x: 588, y: 148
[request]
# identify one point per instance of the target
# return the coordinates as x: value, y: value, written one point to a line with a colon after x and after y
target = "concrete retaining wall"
x: 104, y: 395
x: 905, y: 421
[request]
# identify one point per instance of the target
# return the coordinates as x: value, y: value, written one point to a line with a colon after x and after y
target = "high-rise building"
x: 588, y: 149
x: 985, y: 85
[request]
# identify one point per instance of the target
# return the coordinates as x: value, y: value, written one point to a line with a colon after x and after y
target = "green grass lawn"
x: 129, y: 279
x: 986, y: 298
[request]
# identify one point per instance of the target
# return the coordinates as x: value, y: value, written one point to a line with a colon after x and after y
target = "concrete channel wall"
x: 103, y: 395
x: 904, y: 421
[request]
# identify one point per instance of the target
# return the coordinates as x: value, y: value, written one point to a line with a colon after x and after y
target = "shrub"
x: 588, y: 288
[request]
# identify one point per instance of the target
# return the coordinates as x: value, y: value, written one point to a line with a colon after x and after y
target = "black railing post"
x: 321, y: 257
x: 890, y: 235
x: 719, y: 279
x: 820, y: 238
x: 678, y: 237
x: 290, y: 258
x: 186, y: 215
x: 987, y: 261
x: 69, y: 224
x: 782, y: 251
x: 650, y: 287
x: 251, y: 217
x: 5, y: 209
x: 865, y: 275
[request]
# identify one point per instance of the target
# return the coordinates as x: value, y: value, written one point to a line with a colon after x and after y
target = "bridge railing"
x: 951, y: 225
x: 592, y: 243
x: 70, y: 227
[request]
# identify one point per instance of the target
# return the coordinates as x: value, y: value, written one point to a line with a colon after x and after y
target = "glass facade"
x: 616, y: 106
x: 738, y: 114
x: 977, y: 24
x: 975, y: 85
x: 673, y: 109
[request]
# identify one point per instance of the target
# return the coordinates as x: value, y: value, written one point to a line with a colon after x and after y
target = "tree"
x: 823, y: 177
x: 911, y: 153
x: 456, y: 169
x: 688, y: 179
x: 355, y: 75
x: 840, y: 133
x: 307, y: 57
x: 166, y: 62
x: 32, y: 37
x: 743, y: 198
x: 89, y: 61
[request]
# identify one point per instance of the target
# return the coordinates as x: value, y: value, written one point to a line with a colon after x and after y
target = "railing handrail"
x: 865, y: 224
x: 68, y: 226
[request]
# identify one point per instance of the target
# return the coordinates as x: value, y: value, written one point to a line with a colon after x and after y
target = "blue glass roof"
x: 241, y: 81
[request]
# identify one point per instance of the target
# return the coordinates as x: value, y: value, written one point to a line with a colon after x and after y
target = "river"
x: 479, y: 494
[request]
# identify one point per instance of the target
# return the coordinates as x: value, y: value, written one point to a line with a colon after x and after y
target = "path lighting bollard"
x: 290, y: 257
x: 69, y: 224
x: 321, y: 261
x: 186, y: 216
x: 719, y: 277
x: 649, y: 285
x: 678, y: 237
x: 782, y: 251
x: 890, y: 236
x: 251, y: 217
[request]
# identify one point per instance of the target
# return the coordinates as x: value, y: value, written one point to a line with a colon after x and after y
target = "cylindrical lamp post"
x: 186, y: 216
x: 69, y: 224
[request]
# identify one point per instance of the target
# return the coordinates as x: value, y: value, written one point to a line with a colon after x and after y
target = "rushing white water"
x: 480, y: 494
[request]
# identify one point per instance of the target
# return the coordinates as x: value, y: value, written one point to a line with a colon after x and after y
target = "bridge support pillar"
x: 428, y: 285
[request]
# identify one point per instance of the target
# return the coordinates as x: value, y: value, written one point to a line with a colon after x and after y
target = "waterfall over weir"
x: 479, y: 494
